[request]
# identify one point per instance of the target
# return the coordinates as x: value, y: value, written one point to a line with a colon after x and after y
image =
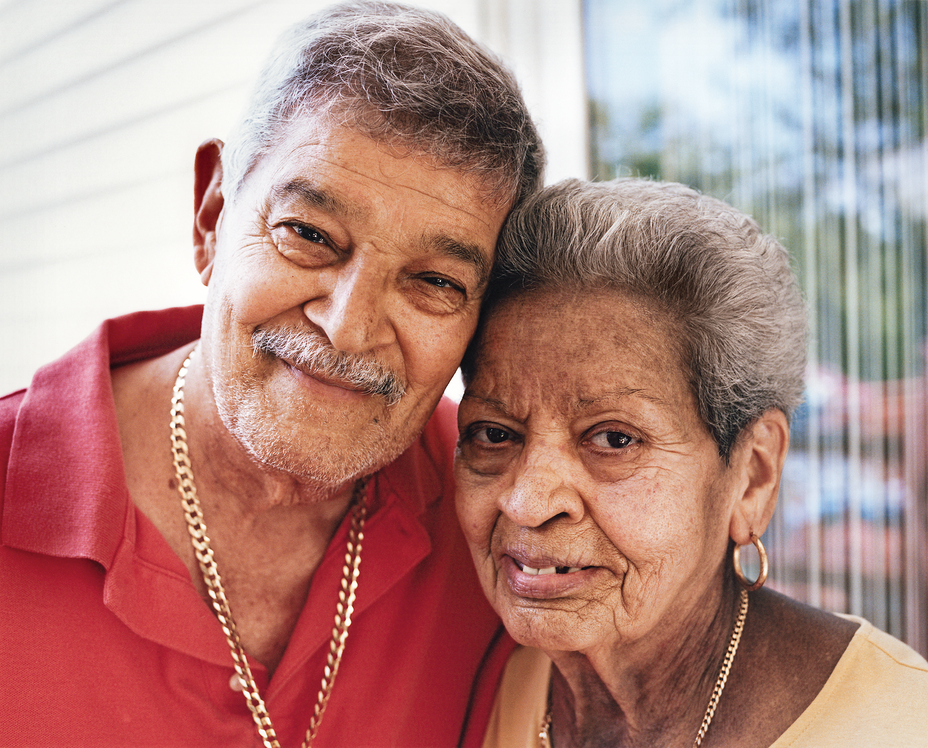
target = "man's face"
x: 366, y: 252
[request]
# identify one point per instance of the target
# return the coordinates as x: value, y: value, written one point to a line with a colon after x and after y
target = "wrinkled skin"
x: 379, y: 257
x: 585, y: 451
x: 599, y: 514
x: 383, y: 254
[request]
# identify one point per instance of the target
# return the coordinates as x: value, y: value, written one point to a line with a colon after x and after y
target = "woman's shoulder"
x: 801, y: 667
x: 521, y: 701
x: 810, y: 635
x: 877, y: 695
x: 885, y: 650
x: 845, y: 682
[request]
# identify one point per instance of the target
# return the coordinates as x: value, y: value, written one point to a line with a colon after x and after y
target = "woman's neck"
x: 651, y: 692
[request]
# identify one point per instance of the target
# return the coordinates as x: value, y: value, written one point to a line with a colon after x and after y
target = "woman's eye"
x: 486, y: 449
x: 492, y: 435
x: 612, y: 440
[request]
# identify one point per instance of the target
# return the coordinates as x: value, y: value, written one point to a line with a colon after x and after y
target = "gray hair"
x: 400, y: 74
x: 729, y: 286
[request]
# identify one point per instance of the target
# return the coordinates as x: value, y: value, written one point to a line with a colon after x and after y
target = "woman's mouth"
x: 547, y: 569
x: 542, y: 582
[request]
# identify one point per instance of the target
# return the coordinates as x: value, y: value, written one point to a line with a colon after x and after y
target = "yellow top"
x: 876, y: 696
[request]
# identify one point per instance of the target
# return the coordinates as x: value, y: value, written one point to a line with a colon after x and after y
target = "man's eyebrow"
x: 469, y: 253
x: 309, y: 194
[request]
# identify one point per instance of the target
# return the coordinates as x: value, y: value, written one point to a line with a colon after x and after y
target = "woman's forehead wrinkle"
x: 488, y: 401
x: 591, y: 401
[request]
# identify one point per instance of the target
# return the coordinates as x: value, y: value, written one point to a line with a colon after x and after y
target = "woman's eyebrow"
x: 623, y: 392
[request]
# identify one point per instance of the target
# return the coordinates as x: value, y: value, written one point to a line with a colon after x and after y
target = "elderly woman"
x: 622, y: 434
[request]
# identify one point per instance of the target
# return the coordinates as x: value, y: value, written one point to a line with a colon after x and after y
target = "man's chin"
x: 321, y: 462
x: 315, y: 440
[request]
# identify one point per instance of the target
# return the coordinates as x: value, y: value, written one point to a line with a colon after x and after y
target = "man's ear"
x: 762, y: 453
x: 207, y: 205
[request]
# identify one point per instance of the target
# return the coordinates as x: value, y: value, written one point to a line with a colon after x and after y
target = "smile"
x: 307, y: 355
x: 327, y: 380
x: 545, y: 582
x: 322, y: 386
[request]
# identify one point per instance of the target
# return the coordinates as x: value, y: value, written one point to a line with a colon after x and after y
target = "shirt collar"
x: 66, y: 492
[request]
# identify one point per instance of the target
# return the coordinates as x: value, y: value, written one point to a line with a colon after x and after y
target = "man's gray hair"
x: 407, y: 76
x: 728, y: 287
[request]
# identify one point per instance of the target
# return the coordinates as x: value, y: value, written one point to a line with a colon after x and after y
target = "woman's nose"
x: 543, y: 489
x: 354, y: 311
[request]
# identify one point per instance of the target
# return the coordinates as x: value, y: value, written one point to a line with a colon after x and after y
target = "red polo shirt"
x: 104, y: 641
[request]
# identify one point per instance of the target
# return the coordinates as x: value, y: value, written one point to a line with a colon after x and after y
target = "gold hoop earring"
x: 764, y: 565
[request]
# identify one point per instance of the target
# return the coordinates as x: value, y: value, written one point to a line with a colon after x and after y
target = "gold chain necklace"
x: 220, y: 603
x: 544, y: 734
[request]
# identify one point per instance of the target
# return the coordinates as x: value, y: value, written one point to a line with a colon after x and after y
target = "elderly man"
x: 248, y: 538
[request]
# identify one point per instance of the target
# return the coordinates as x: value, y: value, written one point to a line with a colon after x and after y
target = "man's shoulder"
x: 81, y: 375
x: 71, y: 397
x: 9, y: 408
x: 149, y: 334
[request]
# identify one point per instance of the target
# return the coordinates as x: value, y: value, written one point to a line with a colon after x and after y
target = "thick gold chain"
x: 544, y: 734
x: 220, y: 603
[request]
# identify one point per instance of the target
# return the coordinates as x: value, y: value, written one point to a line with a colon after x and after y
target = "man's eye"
x: 439, y: 282
x: 612, y: 440
x: 309, y: 234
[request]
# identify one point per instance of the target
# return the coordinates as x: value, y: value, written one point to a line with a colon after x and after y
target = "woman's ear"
x: 207, y: 205
x: 762, y: 453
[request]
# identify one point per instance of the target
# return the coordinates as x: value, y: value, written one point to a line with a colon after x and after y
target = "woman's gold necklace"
x: 220, y: 603
x: 544, y: 734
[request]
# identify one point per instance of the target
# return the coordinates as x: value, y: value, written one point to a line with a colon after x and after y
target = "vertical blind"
x: 811, y: 116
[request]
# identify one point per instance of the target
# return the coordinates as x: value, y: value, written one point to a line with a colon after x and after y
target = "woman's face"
x: 592, y: 495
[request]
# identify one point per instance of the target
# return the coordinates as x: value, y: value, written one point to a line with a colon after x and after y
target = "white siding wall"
x: 102, y: 105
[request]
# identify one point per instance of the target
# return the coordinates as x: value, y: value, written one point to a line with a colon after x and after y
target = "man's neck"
x: 268, y: 531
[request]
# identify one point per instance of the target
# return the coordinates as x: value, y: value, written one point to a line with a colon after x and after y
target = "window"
x: 810, y: 115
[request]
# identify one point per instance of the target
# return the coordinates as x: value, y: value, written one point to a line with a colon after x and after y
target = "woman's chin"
x: 551, y: 630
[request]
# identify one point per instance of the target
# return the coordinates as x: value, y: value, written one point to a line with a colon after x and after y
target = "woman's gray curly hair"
x: 728, y: 285
x: 404, y: 75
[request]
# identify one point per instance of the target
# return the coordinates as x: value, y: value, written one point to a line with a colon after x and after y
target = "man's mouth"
x: 307, y: 352
x: 547, y: 570
x: 331, y: 381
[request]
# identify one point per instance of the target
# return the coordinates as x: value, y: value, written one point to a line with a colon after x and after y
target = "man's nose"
x: 354, y: 309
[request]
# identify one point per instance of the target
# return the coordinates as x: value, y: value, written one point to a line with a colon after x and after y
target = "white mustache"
x: 310, y: 350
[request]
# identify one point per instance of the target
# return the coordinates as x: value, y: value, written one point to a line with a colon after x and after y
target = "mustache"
x: 309, y: 350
